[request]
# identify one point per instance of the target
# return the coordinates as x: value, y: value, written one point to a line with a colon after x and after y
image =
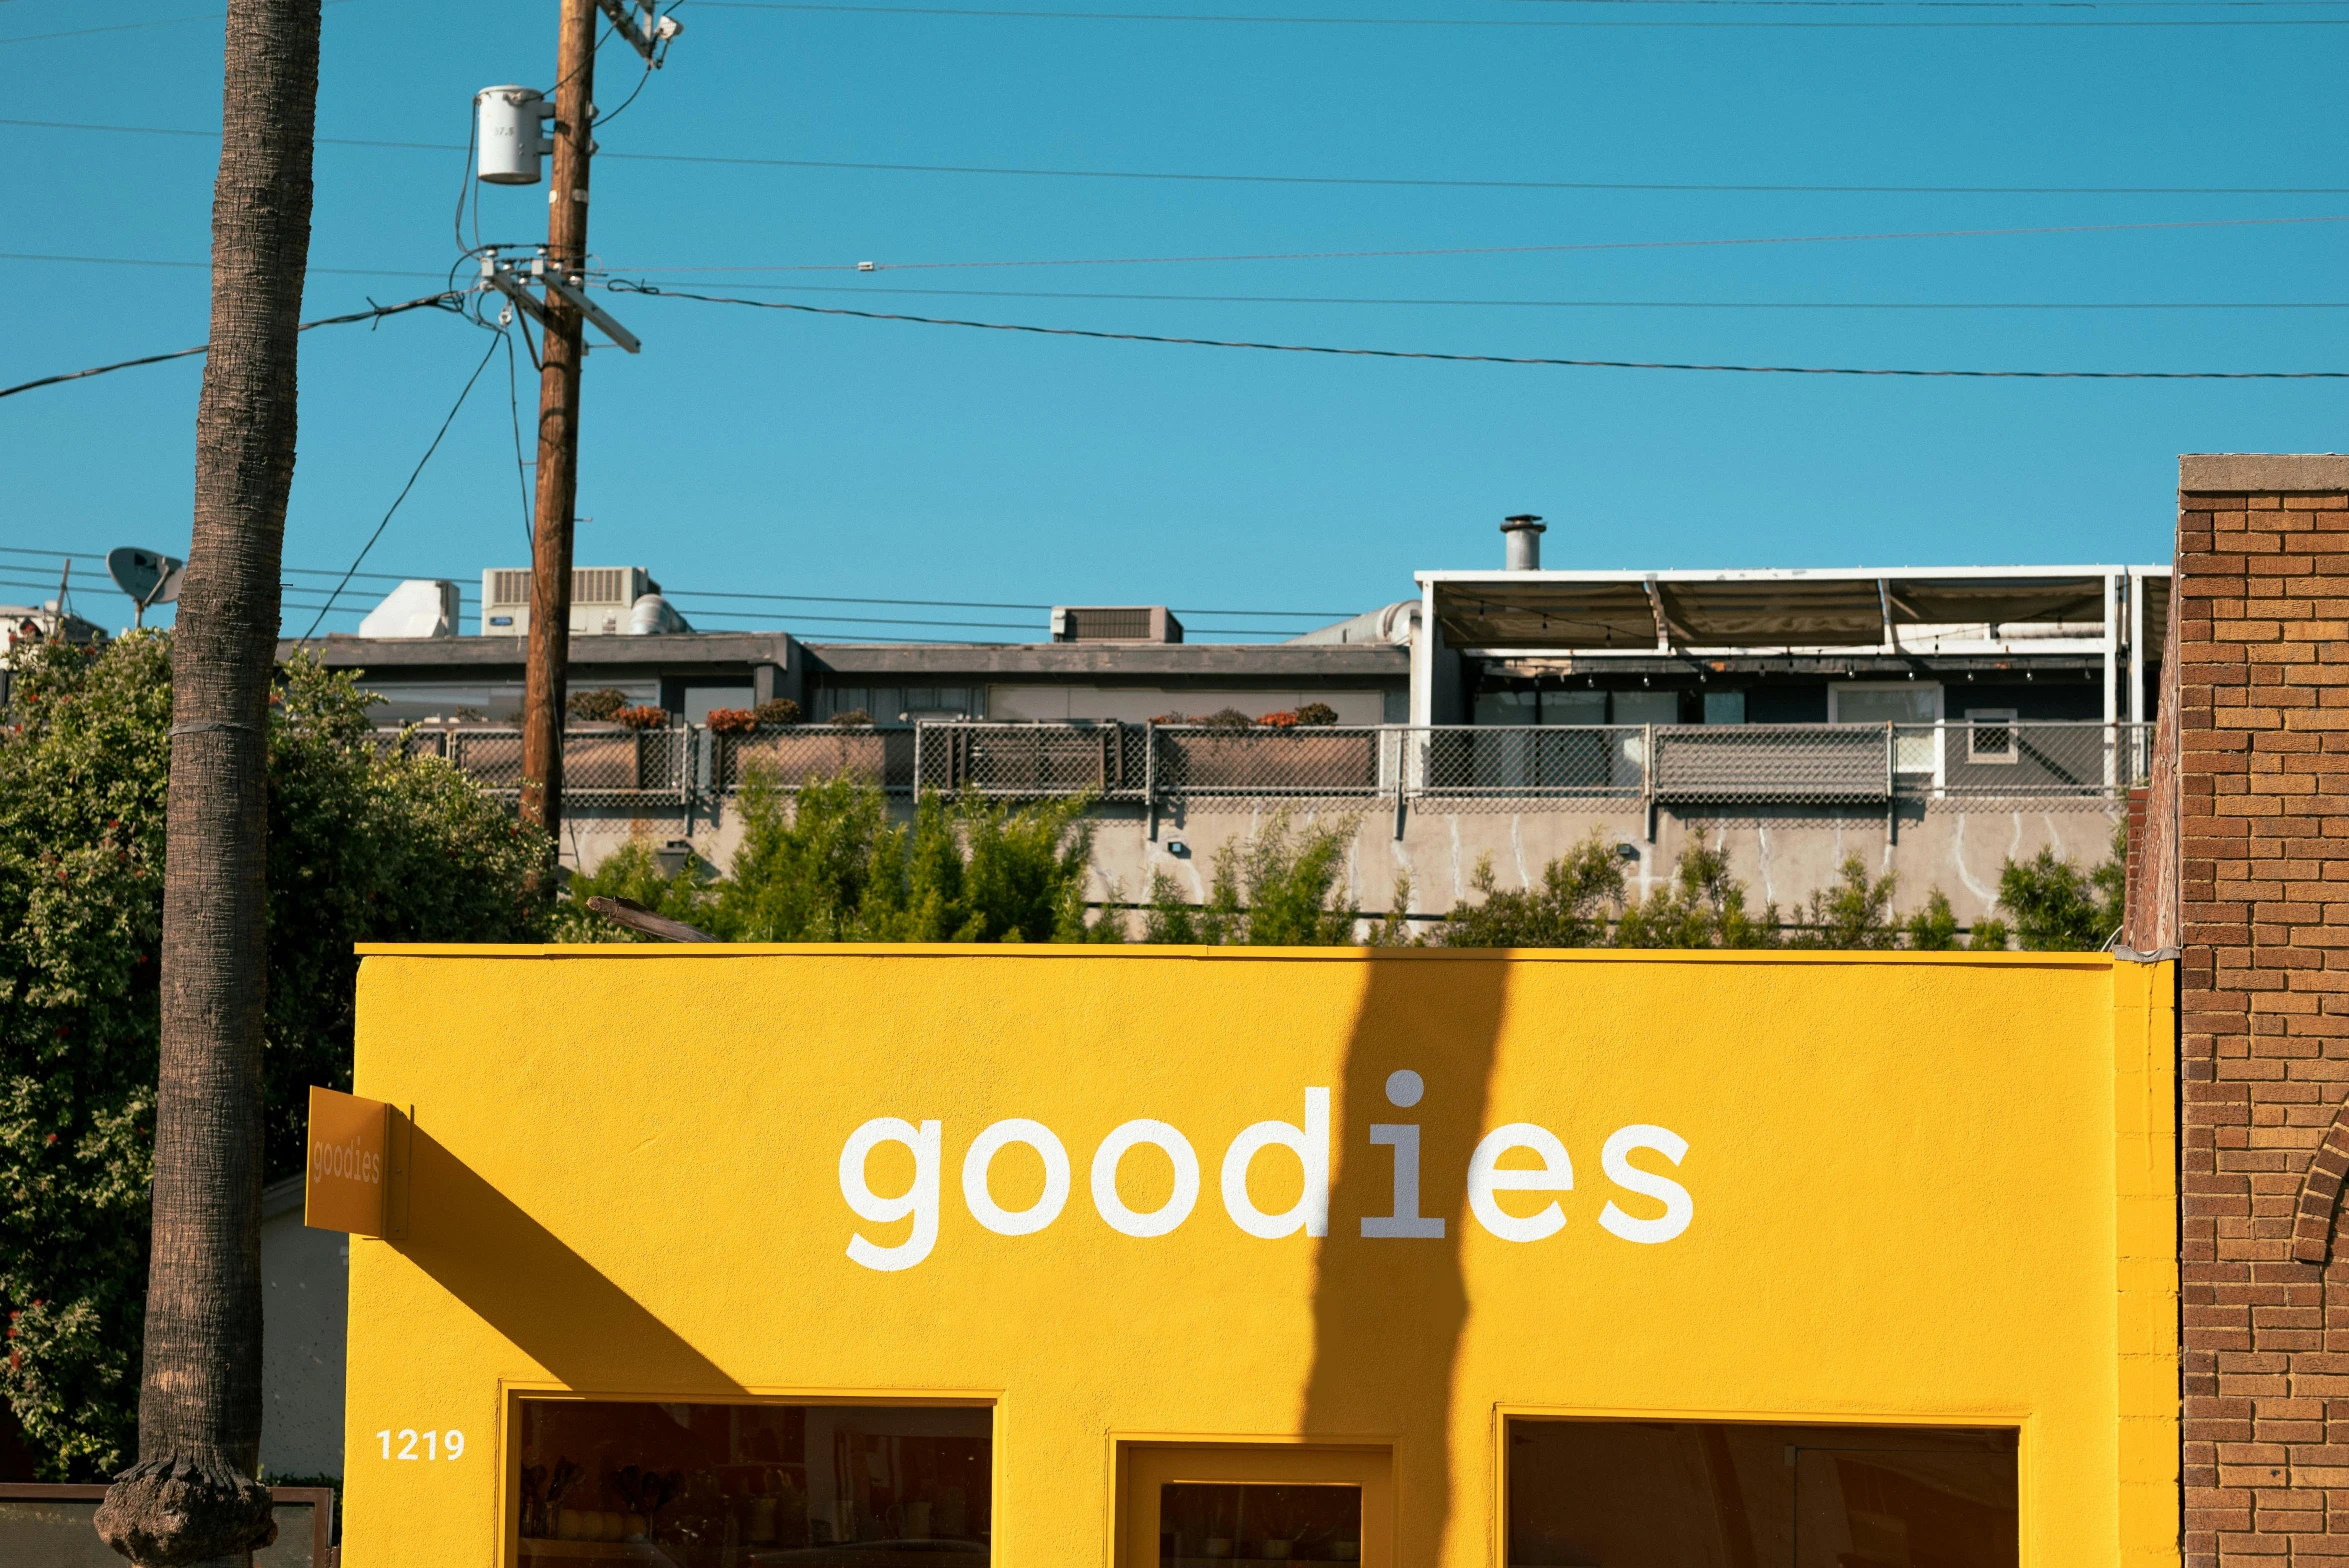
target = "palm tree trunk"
x: 191, y: 1498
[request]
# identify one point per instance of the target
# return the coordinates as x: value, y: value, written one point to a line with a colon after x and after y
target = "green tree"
x: 1570, y: 907
x: 1279, y: 887
x: 1853, y: 913
x: 1702, y: 906
x: 632, y: 873
x: 2058, y: 908
x: 362, y: 847
x: 1934, y: 929
x: 829, y: 866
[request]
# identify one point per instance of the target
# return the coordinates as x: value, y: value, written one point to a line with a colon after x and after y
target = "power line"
x: 1979, y: 5
x: 127, y: 27
x: 143, y: 261
x: 449, y: 302
x: 807, y: 598
x: 1560, y: 304
x: 1376, y: 181
x: 1504, y: 250
x: 117, y: 27
x: 466, y: 587
x: 1384, y: 181
x: 1510, y: 359
x: 1478, y: 22
x: 413, y: 476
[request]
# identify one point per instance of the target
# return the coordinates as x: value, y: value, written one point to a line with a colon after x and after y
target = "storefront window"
x: 755, y: 1486
x: 1746, y: 1495
x: 1200, y: 1524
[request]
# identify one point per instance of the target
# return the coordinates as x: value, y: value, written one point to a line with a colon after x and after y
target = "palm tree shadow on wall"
x: 1388, y: 1313
x: 529, y: 1285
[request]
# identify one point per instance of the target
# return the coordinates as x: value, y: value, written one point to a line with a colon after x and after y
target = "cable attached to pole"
x: 622, y: 285
x: 450, y: 301
x: 415, y: 475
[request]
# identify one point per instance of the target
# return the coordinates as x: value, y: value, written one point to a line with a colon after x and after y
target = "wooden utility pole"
x: 544, y: 679
x: 192, y: 1497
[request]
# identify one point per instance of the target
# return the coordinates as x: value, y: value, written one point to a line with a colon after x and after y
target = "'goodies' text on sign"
x: 1309, y: 1142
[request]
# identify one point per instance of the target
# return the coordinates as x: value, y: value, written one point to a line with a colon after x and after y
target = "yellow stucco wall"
x: 1924, y: 1188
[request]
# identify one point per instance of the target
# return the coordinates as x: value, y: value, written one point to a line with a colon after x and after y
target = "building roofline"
x: 1797, y: 574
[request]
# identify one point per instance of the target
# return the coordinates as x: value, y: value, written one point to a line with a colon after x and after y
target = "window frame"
x: 1146, y: 1464
x: 517, y: 1393
x: 2003, y: 720
x: 1931, y: 769
x: 2023, y: 1423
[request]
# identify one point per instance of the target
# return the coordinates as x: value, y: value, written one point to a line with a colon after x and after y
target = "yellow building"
x: 740, y: 1257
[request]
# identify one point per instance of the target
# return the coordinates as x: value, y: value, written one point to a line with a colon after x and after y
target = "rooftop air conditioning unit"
x: 1115, y: 623
x: 601, y: 597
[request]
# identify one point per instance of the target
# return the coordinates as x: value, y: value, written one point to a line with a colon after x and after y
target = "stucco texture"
x: 1922, y: 1189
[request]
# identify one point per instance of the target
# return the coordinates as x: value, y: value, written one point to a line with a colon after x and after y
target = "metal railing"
x: 1456, y: 767
x: 601, y: 765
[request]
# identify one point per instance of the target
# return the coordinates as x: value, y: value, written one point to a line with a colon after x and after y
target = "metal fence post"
x: 1647, y: 775
x: 1891, y: 786
x: 1150, y: 775
x: 1394, y: 769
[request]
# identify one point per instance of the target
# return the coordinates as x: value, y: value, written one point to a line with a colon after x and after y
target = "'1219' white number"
x: 437, y: 1445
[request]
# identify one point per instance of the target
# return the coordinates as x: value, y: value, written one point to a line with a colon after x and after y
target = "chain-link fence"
x: 600, y: 766
x: 790, y: 756
x: 1458, y: 767
x: 1108, y: 760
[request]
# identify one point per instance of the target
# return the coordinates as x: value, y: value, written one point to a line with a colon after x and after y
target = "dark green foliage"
x: 361, y: 848
x: 831, y: 867
x: 1703, y: 906
x: 2059, y: 908
x: 629, y: 872
x: 1571, y: 907
x: 1934, y: 929
x: 1854, y: 914
x: 597, y: 706
x: 1276, y: 888
x: 776, y: 710
x: 366, y: 848
x: 82, y: 773
x: 1316, y: 713
x: 1231, y: 719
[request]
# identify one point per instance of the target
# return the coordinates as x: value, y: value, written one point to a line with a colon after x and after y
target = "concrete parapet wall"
x: 1782, y: 854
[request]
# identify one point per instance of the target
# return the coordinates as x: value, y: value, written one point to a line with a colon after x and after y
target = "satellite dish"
x: 148, y: 576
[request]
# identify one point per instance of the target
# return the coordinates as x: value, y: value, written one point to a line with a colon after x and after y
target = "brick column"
x: 2260, y: 661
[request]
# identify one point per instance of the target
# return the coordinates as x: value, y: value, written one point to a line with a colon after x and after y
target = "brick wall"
x: 2260, y: 651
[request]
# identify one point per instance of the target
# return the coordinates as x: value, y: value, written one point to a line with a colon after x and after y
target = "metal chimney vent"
x: 1524, y: 535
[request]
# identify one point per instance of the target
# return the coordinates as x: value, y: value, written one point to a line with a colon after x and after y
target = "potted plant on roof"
x: 657, y: 755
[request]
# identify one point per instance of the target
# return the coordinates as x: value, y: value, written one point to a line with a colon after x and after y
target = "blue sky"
x: 775, y: 452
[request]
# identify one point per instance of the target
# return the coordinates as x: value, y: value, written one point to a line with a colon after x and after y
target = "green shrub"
x: 1702, y: 906
x: 1571, y: 906
x: 2058, y: 908
x: 1279, y: 887
x: 362, y: 847
x: 598, y: 706
x: 632, y: 871
x: 831, y: 867
x: 1934, y: 929
x: 1851, y: 914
